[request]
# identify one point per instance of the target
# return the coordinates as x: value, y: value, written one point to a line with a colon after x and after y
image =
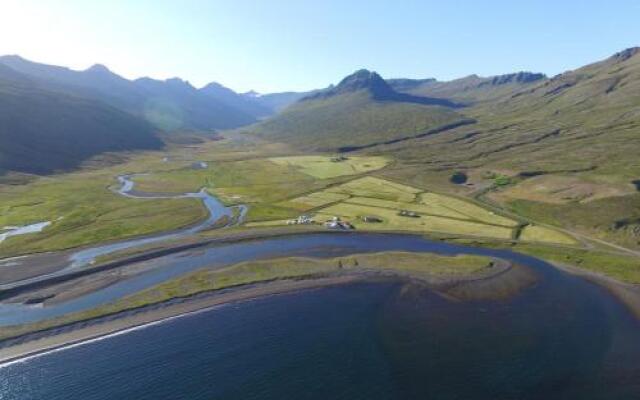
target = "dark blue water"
x: 361, y: 341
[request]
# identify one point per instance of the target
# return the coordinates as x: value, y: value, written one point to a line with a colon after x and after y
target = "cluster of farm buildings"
x: 333, y: 223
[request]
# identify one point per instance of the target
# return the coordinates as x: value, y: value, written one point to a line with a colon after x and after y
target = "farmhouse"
x: 301, y: 220
x: 337, y: 223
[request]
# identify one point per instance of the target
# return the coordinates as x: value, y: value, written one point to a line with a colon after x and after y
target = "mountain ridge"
x: 44, y: 131
x: 361, y: 110
x: 171, y: 104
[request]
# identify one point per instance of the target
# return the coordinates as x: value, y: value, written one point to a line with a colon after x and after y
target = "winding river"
x: 85, y: 257
x: 215, y: 208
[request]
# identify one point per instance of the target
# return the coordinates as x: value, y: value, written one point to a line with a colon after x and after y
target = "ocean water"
x: 385, y: 340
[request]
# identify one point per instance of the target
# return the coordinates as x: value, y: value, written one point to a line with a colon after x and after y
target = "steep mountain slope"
x: 42, y: 130
x: 170, y: 105
x: 174, y: 104
x: 578, y: 119
x: 577, y: 133
x: 361, y: 110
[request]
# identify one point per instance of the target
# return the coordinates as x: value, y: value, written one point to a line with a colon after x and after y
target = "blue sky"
x: 277, y: 45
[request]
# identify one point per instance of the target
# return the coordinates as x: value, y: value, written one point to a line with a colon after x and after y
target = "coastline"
x: 628, y: 294
x: 40, y: 343
x: 83, y: 331
x: 76, y: 333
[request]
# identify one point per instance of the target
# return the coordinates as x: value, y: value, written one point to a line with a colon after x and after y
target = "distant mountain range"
x: 43, y: 129
x: 53, y: 117
x: 169, y: 105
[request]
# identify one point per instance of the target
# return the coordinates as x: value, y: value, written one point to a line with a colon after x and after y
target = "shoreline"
x: 626, y: 293
x: 83, y: 331
x: 76, y: 333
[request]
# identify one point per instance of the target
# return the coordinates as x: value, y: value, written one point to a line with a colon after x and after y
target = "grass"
x: 350, y: 120
x: 620, y: 267
x: 370, y: 186
x: 384, y: 199
x: 613, y: 219
x: 259, y: 183
x: 314, y: 200
x: 576, y: 133
x: 419, y: 265
x: 426, y: 209
x: 416, y: 264
x: 535, y: 233
x: 502, y: 180
x: 559, y: 189
x: 467, y: 208
x: 323, y: 167
x: 394, y: 222
x: 84, y: 211
x: 259, y: 173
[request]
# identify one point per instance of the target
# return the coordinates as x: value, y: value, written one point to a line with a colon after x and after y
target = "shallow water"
x: 22, y: 230
x: 359, y: 341
x: 312, y: 245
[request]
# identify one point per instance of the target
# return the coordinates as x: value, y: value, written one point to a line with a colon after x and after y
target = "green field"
x: 385, y: 199
x: 470, y: 210
x: 84, y: 211
x: 535, y: 233
x: 314, y: 200
x: 324, y: 167
x: 370, y: 186
x: 426, y: 209
x: 394, y: 222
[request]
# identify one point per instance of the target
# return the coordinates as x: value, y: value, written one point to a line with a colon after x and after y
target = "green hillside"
x: 43, y: 131
x: 570, y: 145
x: 578, y: 120
x: 361, y: 111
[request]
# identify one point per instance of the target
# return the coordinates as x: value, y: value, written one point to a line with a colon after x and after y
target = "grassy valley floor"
x: 371, y: 192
